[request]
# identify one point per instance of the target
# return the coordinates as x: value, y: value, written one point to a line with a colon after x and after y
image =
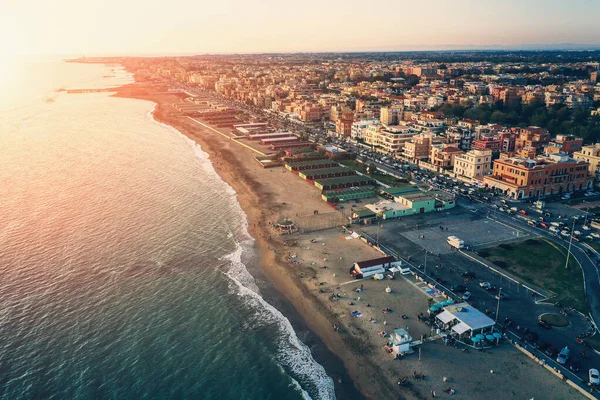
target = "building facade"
x: 523, y: 178
x: 474, y: 164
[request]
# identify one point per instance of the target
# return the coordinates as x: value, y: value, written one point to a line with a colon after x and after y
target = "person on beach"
x: 432, y: 392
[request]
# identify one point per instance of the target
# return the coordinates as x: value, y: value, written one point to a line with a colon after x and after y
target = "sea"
x: 125, y: 261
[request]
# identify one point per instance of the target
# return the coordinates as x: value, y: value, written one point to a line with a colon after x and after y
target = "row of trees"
x: 558, y: 119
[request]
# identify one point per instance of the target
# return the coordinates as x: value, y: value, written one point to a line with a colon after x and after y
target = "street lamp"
x: 498, y: 306
x: 570, y: 244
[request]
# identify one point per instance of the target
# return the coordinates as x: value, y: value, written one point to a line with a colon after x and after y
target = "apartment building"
x: 443, y: 156
x: 591, y: 155
x: 391, y: 115
x: 418, y: 148
x: 532, y: 136
x: 474, y: 164
x: 523, y: 178
x: 567, y: 144
x: 460, y: 137
x: 358, y: 127
x: 388, y: 139
x: 343, y: 126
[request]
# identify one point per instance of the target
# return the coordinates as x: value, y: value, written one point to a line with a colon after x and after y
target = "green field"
x: 543, y: 264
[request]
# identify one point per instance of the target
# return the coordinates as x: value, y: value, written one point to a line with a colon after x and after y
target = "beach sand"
x: 297, y: 271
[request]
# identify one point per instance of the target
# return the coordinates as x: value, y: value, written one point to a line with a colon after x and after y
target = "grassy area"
x: 555, y: 320
x: 543, y: 264
x: 381, y: 177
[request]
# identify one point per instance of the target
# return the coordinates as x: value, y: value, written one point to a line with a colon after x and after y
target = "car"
x: 594, y: 376
x: 531, y: 223
x: 563, y: 356
x: 466, y: 296
x: 544, y: 324
x: 544, y: 225
x: 485, y: 285
x: 548, y: 214
x: 468, y: 274
x: 565, y: 233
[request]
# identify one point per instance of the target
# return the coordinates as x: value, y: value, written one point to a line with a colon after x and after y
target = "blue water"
x: 111, y: 230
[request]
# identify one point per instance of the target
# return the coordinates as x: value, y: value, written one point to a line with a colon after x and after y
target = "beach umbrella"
x: 490, y: 338
x: 480, y: 336
x: 497, y: 336
x: 433, y: 308
x: 475, y: 339
x: 449, y: 302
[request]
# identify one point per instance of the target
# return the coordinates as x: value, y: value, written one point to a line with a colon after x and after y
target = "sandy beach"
x: 310, y: 267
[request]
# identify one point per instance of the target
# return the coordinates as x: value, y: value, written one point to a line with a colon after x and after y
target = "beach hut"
x: 401, y: 340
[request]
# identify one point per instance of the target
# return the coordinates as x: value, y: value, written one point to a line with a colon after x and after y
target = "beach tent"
x: 461, y: 328
x: 445, y: 317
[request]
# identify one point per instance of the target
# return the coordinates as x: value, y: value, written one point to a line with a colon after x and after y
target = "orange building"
x: 522, y: 178
x: 532, y: 136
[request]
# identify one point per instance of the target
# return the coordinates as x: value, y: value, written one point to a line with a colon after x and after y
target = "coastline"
x: 352, y: 348
x: 307, y: 314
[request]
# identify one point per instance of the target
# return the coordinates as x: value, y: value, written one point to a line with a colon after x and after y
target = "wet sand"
x: 297, y: 271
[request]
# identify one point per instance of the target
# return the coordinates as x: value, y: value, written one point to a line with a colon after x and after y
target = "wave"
x: 293, y: 355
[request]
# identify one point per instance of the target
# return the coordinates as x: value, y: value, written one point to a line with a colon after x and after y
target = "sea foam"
x: 293, y: 355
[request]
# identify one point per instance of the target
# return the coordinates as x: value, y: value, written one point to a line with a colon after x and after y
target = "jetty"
x: 77, y: 91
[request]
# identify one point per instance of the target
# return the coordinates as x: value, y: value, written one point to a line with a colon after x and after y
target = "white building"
x: 358, y: 127
x: 474, y: 164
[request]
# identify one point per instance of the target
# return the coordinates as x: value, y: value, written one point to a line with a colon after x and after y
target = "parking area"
x: 519, y: 305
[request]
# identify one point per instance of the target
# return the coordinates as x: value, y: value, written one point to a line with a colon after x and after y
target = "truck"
x: 456, y: 242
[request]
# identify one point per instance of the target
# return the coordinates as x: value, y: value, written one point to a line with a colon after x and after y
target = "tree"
x: 412, y: 80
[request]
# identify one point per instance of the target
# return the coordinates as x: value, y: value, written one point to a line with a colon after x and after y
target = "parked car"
x: 594, y: 376
x: 485, y: 285
x: 466, y: 296
x: 522, y: 212
x: 544, y: 225
x: 563, y: 356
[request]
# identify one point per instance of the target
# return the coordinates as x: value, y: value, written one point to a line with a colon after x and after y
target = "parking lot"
x: 447, y: 267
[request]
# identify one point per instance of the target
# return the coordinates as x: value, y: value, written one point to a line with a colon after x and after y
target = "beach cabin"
x: 369, y: 268
x: 401, y: 341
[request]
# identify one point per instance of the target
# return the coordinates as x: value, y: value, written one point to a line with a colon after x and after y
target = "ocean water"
x: 123, y: 257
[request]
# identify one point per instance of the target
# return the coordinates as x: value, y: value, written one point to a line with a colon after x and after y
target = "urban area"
x: 471, y: 177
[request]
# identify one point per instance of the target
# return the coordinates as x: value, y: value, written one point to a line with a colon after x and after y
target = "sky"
x: 132, y: 27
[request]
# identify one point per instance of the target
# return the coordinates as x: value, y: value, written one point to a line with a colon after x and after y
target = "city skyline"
x: 185, y: 27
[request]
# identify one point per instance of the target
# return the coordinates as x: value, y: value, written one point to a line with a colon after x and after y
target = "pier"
x: 77, y: 91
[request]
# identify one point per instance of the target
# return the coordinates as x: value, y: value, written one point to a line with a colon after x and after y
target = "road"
x: 591, y: 274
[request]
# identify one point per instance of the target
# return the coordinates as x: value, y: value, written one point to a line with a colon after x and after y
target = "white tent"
x: 461, y: 328
x: 445, y: 317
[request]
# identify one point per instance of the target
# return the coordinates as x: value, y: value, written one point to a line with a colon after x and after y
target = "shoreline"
x: 307, y: 314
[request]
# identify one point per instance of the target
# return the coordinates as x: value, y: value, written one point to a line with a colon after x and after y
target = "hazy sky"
x: 198, y: 26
